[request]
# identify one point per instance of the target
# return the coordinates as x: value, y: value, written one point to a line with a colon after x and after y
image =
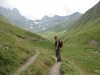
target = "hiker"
x: 58, y: 45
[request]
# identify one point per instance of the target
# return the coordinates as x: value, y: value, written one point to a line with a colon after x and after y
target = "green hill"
x: 82, y: 44
x: 87, y: 25
x: 90, y: 16
x: 17, y: 45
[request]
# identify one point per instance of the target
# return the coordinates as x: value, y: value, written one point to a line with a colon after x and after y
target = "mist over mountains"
x: 14, y: 16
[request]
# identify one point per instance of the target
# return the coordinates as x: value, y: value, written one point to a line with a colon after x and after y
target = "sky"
x: 36, y: 9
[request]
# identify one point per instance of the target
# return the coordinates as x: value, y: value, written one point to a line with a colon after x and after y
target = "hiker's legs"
x: 58, y: 55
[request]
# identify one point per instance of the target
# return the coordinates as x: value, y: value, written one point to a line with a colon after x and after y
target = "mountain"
x: 75, y: 27
x: 62, y: 24
x: 49, y: 22
x: 14, y: 16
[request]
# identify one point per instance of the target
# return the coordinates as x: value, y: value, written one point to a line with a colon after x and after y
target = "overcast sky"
x: 36, y: 9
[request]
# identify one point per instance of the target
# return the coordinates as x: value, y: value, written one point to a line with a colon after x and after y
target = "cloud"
x: 2, y: 2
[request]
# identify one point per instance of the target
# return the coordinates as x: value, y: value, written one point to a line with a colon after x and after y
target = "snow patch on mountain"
x: 36, y: 22
x: 31, y: 27
x: 43, y: 28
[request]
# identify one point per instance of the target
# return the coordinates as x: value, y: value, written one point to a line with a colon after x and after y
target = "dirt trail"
x: 24, y: 66
x: 55, y: 68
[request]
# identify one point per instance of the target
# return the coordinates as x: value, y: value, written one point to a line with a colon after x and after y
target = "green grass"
x: 78, y: 50
x: 44, y: 61
x: 84, y: 56
x: 83, y: 33
x: 50, y: 34
x: 17, y: 45
x: 68, y: 68
x: 42, y: 64
x: 78, y: 56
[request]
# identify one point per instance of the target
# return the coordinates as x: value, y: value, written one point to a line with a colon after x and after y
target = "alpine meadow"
x: 27, y: 46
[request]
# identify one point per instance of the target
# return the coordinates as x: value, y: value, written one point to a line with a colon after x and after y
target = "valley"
x: 80, y: 34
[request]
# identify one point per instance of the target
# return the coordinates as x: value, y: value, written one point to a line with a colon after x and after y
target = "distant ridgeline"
x: 14, y: 16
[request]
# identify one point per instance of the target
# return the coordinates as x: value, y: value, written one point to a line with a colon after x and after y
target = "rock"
x: 93, y: 42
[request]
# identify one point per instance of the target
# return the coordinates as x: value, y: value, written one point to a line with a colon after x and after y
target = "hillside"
x: 88, y: 24
x: 17, y: 45
x: 82, y: 44
x: 91, y: 15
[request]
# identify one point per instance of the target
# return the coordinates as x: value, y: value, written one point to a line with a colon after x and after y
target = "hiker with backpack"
x: 58, y: 45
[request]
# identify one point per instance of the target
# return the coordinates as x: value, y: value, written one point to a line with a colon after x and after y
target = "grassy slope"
x: 78, y: 57
x: 78, y: 50
x: 82, y: 59
x: 17, y: 45
x: 44, y: 61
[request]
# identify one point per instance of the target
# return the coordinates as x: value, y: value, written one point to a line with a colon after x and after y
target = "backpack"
x: 60, y: 44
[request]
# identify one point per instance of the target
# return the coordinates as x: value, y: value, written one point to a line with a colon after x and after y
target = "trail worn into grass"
x: 24, y: 66
x: 55, y: 68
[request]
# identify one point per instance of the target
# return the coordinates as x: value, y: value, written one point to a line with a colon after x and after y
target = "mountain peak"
x: 45, y: 17
x: 55, y: 16
x: 77, y: 13
x: 15, y: 10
